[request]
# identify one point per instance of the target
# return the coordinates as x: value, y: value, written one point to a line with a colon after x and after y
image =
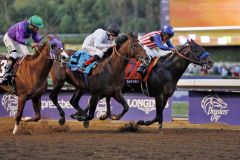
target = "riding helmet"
x: 168, y: 30
x: 114, y: 29
x: 36, y: 21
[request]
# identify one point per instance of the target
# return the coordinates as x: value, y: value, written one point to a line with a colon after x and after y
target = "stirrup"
x: 144, y: 88
x: 140, y: 69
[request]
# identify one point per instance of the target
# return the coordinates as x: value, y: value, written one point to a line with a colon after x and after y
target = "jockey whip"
x: 52, y: 27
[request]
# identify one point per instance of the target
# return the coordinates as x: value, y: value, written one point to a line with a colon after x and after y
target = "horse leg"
x: 21, y: 104
x: 53, y: 96
x: 108, y: 112
x: 92, y: 108
x: 159, y: 115
x: 37, y: 109
x: 74, y: 102
x: 158, y: 101
x: 86, y: 109
x: 120, y: 99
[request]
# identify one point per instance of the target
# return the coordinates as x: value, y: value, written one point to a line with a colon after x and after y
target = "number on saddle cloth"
x: 77, y: 61
x: 3, y: 64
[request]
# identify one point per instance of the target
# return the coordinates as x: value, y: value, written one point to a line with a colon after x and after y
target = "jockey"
x: 17, y: 39
x: 157, y: 39
x: 99, y: 41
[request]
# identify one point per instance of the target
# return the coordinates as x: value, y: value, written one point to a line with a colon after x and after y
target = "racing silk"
x: 20, y: 32
x: 155, y: 41
x: 98, y: 39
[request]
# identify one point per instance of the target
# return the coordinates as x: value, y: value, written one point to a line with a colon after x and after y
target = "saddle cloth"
x: 131, y: 74
x: 77, y: 60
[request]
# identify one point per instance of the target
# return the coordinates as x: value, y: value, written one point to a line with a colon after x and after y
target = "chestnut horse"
x: 106, y: 80
x: 163, y: 79
x: 31, y: 77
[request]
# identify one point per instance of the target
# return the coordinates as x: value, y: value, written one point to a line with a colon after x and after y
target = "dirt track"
x: 103, y: 140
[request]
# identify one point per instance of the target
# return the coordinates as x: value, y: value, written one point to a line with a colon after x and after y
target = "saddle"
x: 77, y: 60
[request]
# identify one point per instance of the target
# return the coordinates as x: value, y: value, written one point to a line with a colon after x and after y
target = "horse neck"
x: 119, y: 63
x: 43, y: 63
x: 178, y: 66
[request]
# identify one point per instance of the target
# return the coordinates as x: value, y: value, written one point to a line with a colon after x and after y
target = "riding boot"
x: 91, y: 60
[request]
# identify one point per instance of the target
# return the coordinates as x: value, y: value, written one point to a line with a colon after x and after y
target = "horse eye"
x: 53, y: 45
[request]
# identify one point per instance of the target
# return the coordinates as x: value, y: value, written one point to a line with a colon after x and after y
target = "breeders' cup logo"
x: 214, y: 106
x: 101, y: 107
x: 145, y: 105
x: 10, y: 104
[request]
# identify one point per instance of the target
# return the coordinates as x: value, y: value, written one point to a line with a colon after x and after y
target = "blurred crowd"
x: 219, y: 70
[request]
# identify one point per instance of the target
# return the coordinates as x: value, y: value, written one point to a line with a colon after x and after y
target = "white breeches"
x: 155, y: 53
x: 14, y: 48
x: 92, y: 50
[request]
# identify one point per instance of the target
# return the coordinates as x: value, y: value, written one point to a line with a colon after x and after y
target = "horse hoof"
x: 141, y: 122
x: 114, y: 117
x: 160, y: 127
x: 73, y: 116
x: 15, y: 129
x: 25, y: 119
x: 61, y: 121
x: 81, y: 118
x: 86, y: 124
x: 103, y: 117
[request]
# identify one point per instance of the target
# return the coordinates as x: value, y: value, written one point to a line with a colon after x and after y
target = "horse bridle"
x: 125, y: 58
x: 129, y: 48
x: 187, y: 58
x: 49, y: 57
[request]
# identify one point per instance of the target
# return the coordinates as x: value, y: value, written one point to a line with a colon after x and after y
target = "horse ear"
x: 135, y: 35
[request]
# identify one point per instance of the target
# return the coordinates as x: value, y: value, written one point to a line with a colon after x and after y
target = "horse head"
x: 53, y: 49
x: 132, y: 47
x: 196, y: 54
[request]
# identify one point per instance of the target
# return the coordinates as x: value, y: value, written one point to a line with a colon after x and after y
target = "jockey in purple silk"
x: 17, y: 39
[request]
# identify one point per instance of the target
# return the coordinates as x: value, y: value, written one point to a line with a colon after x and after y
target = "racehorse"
x: 162, y: 81
x: 31, y: 77
x: 106, y: 80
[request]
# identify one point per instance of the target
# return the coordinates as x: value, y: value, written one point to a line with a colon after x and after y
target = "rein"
x: 47, y: 57
x: 115, y: 50
x: 187, y: 58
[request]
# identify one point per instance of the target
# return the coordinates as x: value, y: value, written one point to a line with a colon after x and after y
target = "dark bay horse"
x: 163, y: 78
x: 31, y: 77
x: 106, y: 80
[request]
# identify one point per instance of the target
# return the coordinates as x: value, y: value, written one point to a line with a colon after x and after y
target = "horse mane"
x: 165, y: 56
x: 107, y: 53
x: 121, y: 38
x: 36, y: 53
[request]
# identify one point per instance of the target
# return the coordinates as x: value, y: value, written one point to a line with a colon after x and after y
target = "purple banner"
x: 140, y: 107
x: 206, y: 107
